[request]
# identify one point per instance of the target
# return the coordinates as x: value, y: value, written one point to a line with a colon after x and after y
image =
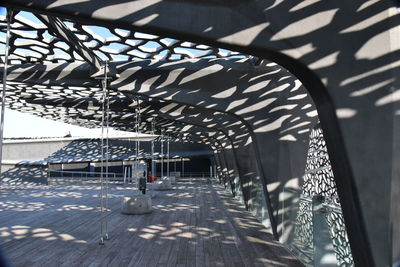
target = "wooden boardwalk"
x: 197, y: 224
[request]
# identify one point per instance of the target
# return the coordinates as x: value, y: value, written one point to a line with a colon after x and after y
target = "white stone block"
x: 140, y: 204
x: 163, y: 184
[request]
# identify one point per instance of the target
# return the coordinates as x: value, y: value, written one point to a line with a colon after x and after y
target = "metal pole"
x: 3, y: 96
x: 168, y: 157
x: 137, y: 117
x: 183, y: 168
x: 103, y: 191
x: 162, y: 155
x: 102, y: 169
x: 125, y: 172
x: 136, y: 142
x: 106, y: 236
x: 152, y: 150
x: 138, y: 127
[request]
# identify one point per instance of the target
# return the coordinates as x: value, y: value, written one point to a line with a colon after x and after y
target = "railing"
x: 197, y: 174
x: 188, y: 174
x: 76, y: 176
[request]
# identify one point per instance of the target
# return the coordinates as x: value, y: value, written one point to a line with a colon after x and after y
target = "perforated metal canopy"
x: 40, y: 43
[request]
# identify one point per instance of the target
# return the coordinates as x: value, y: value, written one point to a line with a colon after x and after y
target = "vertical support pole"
x: 183, y: 167
x: 106, y: 236
x: 137, y: 124
x: 136, y: 130
x: 153, y: 169
x: 136, y: 164
x: 101, y: 242
x: 104, y: 161
x: 125, y: 172
x: 3, y: 96
x: 168, y: 156
x: 162, y: 154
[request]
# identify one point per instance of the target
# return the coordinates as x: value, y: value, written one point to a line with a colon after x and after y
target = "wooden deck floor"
x: 197, y: 224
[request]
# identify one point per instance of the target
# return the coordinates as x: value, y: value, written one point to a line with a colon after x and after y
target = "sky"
x: 18, y: 124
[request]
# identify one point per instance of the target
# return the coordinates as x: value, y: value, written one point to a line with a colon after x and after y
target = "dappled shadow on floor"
x: 194, y: 224
x: 23, y: 175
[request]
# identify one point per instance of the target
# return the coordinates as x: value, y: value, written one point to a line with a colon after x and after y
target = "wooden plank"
x: 197, y: 224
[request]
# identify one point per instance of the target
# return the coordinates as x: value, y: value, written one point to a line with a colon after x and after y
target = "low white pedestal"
x: 164, y: 184
x: 140, y: 204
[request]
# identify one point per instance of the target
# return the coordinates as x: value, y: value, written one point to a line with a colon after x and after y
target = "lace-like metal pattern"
x: 33, y: 42
x: 303, y: 234
x: 319, y: 181
x: 318, y: 178
x: 339, y: 236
